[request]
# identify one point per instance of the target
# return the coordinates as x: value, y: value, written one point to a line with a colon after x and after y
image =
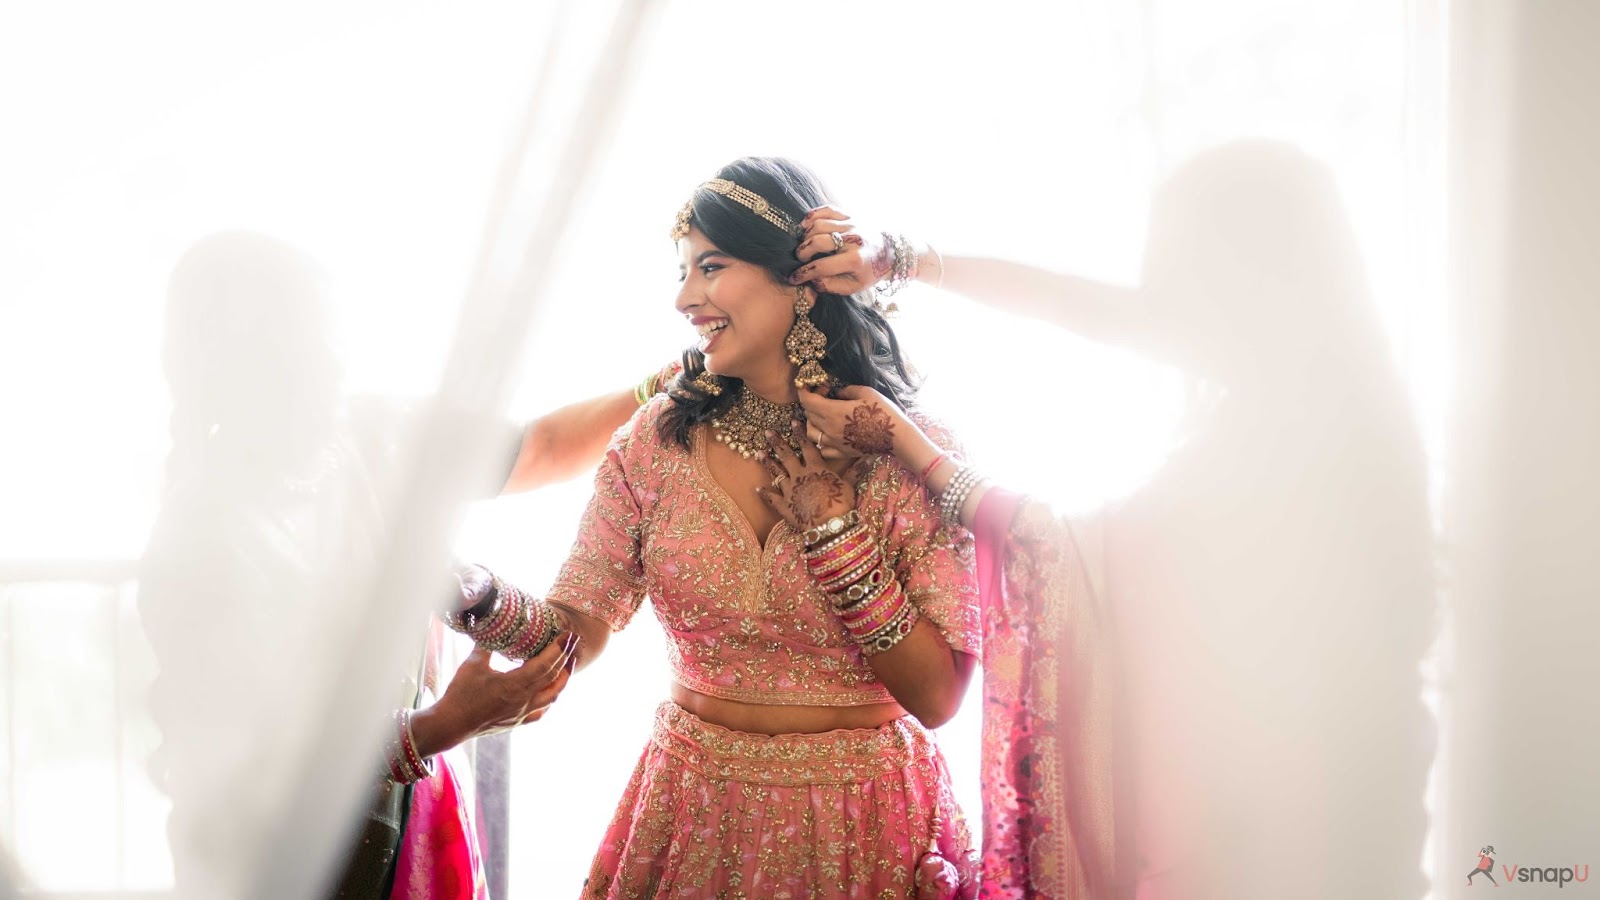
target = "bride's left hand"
x: 856, y: 421
x: 804, y: 491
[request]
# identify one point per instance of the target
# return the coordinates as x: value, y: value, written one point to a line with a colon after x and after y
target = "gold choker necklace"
x: 745, y: 425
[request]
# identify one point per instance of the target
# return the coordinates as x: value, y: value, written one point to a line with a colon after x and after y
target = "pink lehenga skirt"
x: 711, y: 812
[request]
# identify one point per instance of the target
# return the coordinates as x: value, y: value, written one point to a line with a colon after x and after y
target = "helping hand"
x: 481, y: 701
x: 849, y: 264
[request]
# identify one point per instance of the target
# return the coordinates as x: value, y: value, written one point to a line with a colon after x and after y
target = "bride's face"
x: 739, y: 310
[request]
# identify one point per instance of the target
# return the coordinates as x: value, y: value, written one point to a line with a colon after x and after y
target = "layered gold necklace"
x: 745, y: 425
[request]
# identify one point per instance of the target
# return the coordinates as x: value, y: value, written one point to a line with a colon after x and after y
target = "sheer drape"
x: 372, y: 140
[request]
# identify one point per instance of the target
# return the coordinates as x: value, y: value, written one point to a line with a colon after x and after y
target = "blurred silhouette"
x: 271, y: 511
x: 1270, y: 589
x: 1273, y: 582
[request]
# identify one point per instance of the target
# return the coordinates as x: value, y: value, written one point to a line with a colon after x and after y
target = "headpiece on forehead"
x: 742, y: 196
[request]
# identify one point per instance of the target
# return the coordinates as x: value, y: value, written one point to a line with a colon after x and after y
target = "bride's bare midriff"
x: 756, y: 718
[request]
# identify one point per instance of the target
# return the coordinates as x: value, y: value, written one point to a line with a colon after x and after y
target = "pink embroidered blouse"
x: 744, y: 622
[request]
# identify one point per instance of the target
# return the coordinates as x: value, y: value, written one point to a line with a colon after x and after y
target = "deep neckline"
x: 730, y: 507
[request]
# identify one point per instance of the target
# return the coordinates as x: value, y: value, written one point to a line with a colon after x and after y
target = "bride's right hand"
x: 853, y: 263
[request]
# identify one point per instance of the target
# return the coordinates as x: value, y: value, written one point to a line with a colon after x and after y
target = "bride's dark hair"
x: 862, y: 348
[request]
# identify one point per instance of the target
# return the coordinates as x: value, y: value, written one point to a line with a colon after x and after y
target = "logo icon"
x: 1485, y: 866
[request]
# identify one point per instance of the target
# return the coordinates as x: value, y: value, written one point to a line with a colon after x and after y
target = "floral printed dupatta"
x: 1050, y: 802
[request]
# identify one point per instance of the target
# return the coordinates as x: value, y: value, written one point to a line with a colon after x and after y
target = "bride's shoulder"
x: 641, y: 434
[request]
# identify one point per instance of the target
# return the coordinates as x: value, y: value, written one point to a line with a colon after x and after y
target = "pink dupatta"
x: 1050, y: 801
x: 439, y: 856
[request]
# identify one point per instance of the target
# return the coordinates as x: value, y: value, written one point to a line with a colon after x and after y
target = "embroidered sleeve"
x: 604, y: 575
x: 935, y: 562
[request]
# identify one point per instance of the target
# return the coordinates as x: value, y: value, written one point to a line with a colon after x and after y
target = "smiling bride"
x: 817, y: 627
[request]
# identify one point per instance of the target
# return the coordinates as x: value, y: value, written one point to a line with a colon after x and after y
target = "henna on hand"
x: 869, y: 429
x: 813, y: 495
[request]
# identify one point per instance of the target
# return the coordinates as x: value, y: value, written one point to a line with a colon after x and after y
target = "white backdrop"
x: 370, y: 134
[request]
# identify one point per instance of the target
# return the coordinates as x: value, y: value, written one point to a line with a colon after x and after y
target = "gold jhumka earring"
x: 806, y: 344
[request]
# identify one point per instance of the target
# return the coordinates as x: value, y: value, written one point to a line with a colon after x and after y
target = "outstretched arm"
x: 566, y: 443
x: 1096, y: 311
x: 570, y: 441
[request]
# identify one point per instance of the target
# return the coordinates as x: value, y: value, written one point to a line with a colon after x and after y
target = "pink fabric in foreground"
x: 1049, y: 804
x: 439, y: 858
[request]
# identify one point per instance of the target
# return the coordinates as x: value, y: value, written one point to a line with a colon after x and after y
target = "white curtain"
x: 374, y: 139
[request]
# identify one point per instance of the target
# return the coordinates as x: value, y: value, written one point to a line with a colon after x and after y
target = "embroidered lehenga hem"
x: 714, y: 812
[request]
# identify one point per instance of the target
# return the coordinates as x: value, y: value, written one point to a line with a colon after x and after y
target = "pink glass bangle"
x: 821, y: 560
x: 841, y: 579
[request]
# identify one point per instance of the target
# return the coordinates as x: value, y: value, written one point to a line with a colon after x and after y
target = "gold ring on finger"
x: 838, y: 242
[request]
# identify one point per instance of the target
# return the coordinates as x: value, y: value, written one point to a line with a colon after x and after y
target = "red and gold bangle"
x: 510, y: 622
x: 408, y: 744
x: 504, y: 629
x: 496, y: 626
x: 849, y: 579
x: 855, y: 597
x: 391, y: 758
x: 836, y: 544
x: 840, y: 546
x: 842, y: 579
x: 529, y: 636
x: 540, y: 632
x: 931, y: 466
x: 893, y: 633
x: 876, y: 613
x: 871, y: 614
x: 838, y: 575
x: 405, y: 764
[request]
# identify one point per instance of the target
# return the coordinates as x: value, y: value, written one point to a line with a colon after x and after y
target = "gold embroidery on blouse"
x: 752, y: 580
x: 746, y: 622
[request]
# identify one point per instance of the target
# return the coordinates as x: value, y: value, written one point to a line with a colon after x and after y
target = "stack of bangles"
x: 406, y: 766
x: 849, y: 565
x: 902, y: 264
x: 956, y: 492
x: 515, y: 625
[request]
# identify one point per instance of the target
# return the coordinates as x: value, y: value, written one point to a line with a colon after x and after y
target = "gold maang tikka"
x: 806, y: 344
